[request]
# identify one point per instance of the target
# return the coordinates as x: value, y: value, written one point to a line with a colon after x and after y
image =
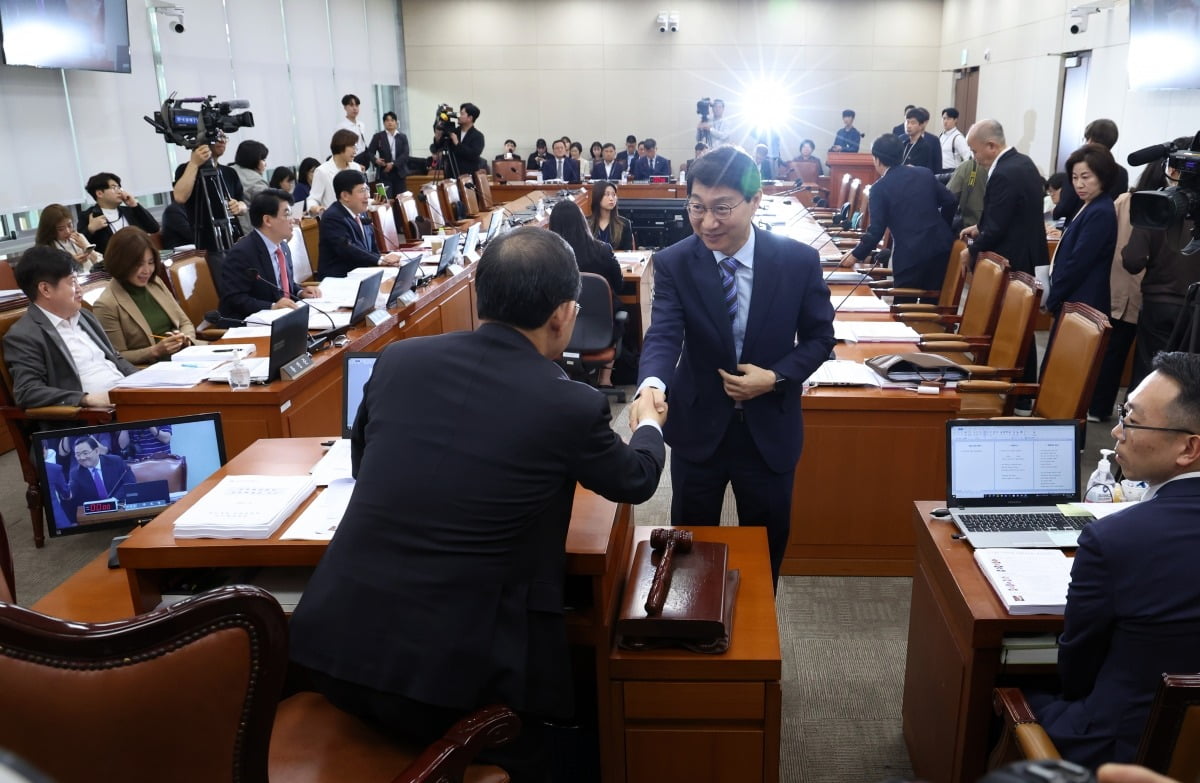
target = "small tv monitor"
x: 364, y: 300
x: 289, y: 339
x: 494, y: 225
x: 123, y: 473
x: 405, y: 277
x: 472, y: 239
x: 357, y: 371
x: 450, y: 247
x: 90, y: 36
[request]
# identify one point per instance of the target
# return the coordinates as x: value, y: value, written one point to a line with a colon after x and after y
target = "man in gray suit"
x: 57, y: 353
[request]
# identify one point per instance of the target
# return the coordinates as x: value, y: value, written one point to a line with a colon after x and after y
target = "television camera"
x: 1168, y: 209
x: 189, y: 128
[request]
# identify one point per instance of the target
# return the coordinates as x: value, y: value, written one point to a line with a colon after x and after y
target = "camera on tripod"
x: 189, y: 128
x: 703, y: 107
x: 444, y: 119
x: 1168, y: 209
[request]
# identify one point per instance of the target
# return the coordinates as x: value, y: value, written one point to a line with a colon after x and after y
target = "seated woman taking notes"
x: 138, y: 313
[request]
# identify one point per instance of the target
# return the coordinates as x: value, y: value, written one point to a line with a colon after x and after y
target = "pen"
x: 223, y: 350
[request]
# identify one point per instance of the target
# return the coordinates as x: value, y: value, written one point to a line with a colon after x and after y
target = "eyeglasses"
x: 578, y: 308
x: 1122, y: 425
x: 697, y: 211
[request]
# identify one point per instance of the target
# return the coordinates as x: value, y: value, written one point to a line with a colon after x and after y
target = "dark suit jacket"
x: 598, y: 172
x: 43, y: 372
x: 243, y: 294
x: 136, y: 216
x: 1012, y: 222
x: 380, y: 148
x: 1133, y: 613
x: 643, y: 170
x: 1069, y: 201
x: 113, y: 470
x: 1083, y: 262
x: 918, y: 209
x: 570, y: 169
x: 789, y: 330
x: 345, y: 243
x: 444, y: 581
x: 927, y: 152
x: 468, y: 150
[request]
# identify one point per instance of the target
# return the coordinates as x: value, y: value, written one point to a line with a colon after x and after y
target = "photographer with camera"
x: 715, y: 131
x: 466, y: 142
x: 213, y: 223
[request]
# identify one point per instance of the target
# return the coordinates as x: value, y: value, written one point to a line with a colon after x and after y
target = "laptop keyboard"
x: 1017, y: 523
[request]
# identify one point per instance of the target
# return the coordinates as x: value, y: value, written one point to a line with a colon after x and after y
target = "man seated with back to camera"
x: 57, y: 352
x: 1133, y: 604
x: 438, y: 596
x: 347, y: 240
x: 257, y: 273
x: 114, y: 209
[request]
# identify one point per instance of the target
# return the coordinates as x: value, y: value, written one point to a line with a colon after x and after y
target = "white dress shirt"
x: 96, y: 373
x: 354, y: 127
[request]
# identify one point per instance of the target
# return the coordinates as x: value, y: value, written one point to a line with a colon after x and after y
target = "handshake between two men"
x: 752, y: 382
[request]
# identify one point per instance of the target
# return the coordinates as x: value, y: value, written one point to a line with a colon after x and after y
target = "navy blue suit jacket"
x: 1012, y: 223
x: 1133, y: 613
x: 643, y: 170
x: 789, y: 329
x: 241, y: 292
x: 113, y: 470
x: 918, y: 209
x: 570, y: 169
x: 1083, y: 261
x: 598, y: 172
x: 345, y: 243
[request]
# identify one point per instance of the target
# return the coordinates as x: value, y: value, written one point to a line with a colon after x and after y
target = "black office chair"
x: 596, y: 341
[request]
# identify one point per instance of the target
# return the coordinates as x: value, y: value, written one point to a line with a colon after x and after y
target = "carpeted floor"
x: 843, y: 639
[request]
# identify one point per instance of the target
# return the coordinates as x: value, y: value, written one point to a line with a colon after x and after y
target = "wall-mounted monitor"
x: 89, y: 35
x: 1162, y: 46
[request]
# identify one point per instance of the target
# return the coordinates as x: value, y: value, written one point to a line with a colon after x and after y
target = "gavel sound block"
x: 675, y: 590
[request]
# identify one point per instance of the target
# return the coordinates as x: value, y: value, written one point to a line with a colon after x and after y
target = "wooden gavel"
x: 667, y: 541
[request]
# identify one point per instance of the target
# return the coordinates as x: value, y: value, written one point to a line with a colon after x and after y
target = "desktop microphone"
x: 253, y: 274
x: 218, y: 321
x: 865, y: 274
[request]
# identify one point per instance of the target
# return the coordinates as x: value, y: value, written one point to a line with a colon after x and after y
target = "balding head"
x: 986, y: 140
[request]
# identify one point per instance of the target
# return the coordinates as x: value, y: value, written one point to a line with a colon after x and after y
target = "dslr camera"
x: 189, y: 128
x: 1168, y: 209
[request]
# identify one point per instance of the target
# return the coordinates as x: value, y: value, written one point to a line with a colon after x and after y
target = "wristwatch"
x: 780, y: 383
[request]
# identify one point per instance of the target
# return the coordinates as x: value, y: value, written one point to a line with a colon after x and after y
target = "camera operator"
x: 466, y: 142
x: 225, y: 201
x: 713, y: 131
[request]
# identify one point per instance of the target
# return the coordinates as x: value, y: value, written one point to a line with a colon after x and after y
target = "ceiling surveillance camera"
x: 661, y: 21
x: 1079, y: 24
x: 177, y: 27
x: 673, y: 20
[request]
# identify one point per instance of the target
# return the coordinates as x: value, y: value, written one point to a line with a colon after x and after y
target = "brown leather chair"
x: 171, y: 468
x: 452, y: 208
x: 197, y: 687
x: 980, y: 310
x: 1068, y: 375
x: 1170, y: 742
x: 467, y: 195
x: 192, y: 282
x: 1001, y: 355
x: 509, y: 171
x: 408, y: 216
x: 310, y: 229
x: 21, y: 422
x: 8, y: 280
x: 837, y: 202
x: 483, y: 187
x: 948, y: 296
x: 383, y: 221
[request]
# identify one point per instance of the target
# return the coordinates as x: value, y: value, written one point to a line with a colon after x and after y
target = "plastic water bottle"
x: 239, y: 373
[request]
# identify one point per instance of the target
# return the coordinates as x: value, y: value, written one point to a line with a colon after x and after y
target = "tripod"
x: 214, y: 228
x: 1186, y: 334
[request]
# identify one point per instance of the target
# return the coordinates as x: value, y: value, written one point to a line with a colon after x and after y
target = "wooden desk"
x: 955, y: 629
x: 312, y: 404
x: 683, y: 716
x: 511, y: 191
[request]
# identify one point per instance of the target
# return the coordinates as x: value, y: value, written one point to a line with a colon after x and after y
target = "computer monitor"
x: 404, y: 281
x: 450, y: 247
x: 364, y: 300
x: 494, y: 225
x: 140, y: 469
x: 289, y: 339
x: 471, y: 241
x: 356, y: 372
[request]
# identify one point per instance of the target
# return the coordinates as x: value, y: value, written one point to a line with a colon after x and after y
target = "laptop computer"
x: 494, y: 225
x: 405, y: 277
x: 1005, y: 479
x: 357, y: 371
x: 450, y: 245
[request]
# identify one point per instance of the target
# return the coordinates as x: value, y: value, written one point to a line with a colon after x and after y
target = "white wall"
x: 292, y: 59
x: 1018, y: 83
x: 599, y: 69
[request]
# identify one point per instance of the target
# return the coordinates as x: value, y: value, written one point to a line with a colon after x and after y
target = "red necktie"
x: 284, y: 283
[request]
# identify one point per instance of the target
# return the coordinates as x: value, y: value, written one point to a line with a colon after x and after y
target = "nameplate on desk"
x: 406, y: 298
x: 454, y: 269
x: 296, y: 367
x: 376, y: 317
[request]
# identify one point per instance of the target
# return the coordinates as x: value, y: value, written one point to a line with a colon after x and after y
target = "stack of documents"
x: 215, y: 352
x: 846, y: 276
x: 244, y: 507
x: 874, y: 332
x: 859, y: 304
x: 321, y: 519
x: 166, y: 375
x: 1027, y: 581
x: 840, y: 372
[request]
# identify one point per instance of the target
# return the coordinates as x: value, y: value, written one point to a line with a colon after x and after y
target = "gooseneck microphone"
x: 253, y: 274
x: 218, y: 321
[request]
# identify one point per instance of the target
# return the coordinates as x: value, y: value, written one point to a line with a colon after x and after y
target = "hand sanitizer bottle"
x: 239, y: 373
x: 1102, y: 487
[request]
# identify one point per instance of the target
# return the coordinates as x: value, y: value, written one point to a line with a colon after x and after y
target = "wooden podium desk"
x: 955, y: 629
x: 312, y: 404
x: 679, y: 716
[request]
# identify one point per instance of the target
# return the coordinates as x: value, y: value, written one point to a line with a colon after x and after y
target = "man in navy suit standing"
x: 257, y: 272
x: 741, y: 318
x: 651, y: 164
x: 346, y: 240
x: 1133, y: 605
x: 918, y: 209
x: 561, y: 166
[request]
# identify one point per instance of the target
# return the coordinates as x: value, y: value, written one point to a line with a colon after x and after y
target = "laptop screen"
x: 289, y: 339
x: 993, y: 462
x: 359, y: 366
x: 113, y: 475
